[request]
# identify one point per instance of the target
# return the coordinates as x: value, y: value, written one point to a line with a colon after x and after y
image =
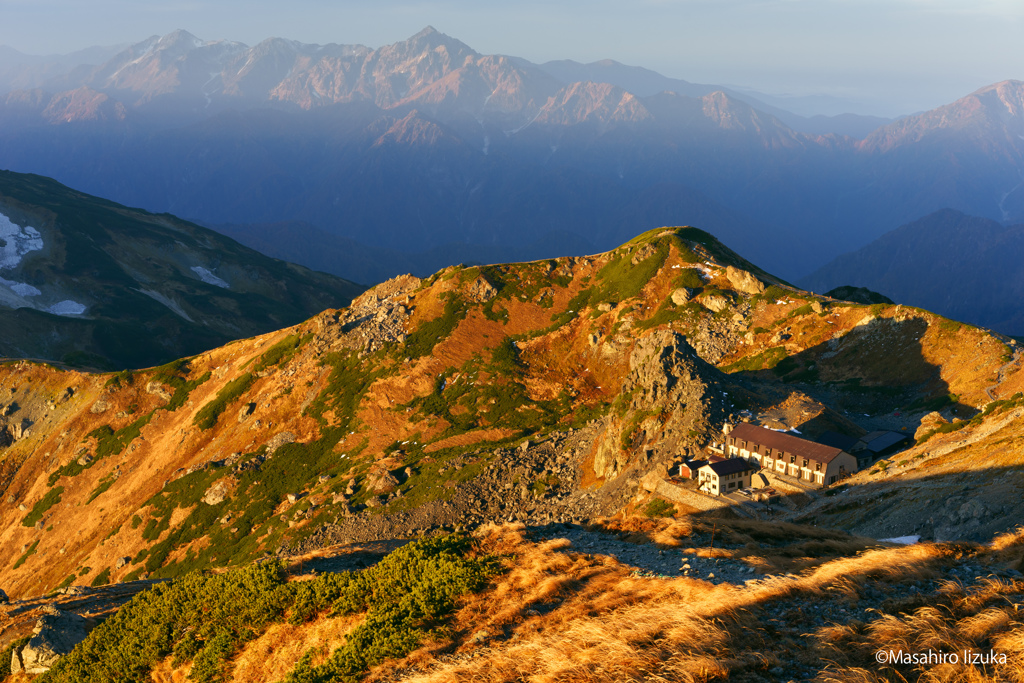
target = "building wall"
x: 710, y: 482
x: 809, y: 474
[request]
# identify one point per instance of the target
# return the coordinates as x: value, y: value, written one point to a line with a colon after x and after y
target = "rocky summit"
x: 545, y: 413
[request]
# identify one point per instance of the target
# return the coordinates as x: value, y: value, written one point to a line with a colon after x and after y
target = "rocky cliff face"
x: 670, y: 401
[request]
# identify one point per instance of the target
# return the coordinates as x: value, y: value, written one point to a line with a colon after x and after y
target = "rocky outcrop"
x: 743, y: 281
x: 682, y: 296
x: 379, y: 480
x: 481, y: 290
x: 158, y: 389
x: 220, y: 490
x: 931, y: 421
x: 670, y: 397
x: 56, y: 633
x: 279, y: 440
x: 715, y: 303
x: 375, y: 318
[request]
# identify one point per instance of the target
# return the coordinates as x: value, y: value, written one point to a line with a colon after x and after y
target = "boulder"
x: 246, y: 412
x: 219, y: 491
x: 157, y: 389
x: 743, y: 281
x: 3, y: 597
x: 56, y: 634
x: 380, y: 480
x: 99, y: 406
x: 682, y: 296
x: 715, y: 303
x: 279, y: 440
x: 482, y: 290
x: 928, y: 423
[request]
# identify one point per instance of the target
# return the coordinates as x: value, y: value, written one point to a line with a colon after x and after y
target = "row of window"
x: 780, y: 458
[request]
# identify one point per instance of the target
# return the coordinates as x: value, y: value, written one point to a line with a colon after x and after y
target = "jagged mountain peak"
x: 591, y: 102
x: 179, y: 38
x: 1009, y: 95
x: 993, y: 114
x: 431, y: 39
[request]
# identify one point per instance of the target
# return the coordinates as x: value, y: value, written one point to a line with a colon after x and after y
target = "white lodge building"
x: 813, y: 464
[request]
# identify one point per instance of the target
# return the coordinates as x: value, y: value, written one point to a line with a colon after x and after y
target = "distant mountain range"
x: 964, y: 266
x: 414, y: 147
x: 95, y: 284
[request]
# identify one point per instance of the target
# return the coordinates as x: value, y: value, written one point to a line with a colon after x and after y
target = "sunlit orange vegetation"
x: 561, y: 616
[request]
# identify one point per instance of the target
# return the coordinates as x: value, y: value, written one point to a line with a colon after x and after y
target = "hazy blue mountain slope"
x: 960, y: 266
x: 89, y: 281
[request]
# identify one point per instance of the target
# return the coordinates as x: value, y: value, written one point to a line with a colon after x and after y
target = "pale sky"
x: 890, y: 56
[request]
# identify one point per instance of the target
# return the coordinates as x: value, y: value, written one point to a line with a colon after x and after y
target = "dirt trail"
x: 1001, y: 375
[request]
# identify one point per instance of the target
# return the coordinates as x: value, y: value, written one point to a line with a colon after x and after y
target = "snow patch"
x: 902, y: 540
x: 20, y: 288
x: 67, y: 307
x: 209, y: 278
x: 18, y: 241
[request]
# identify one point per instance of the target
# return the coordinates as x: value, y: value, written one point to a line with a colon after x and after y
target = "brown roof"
x: 781, y: 441
x: 730, y: 466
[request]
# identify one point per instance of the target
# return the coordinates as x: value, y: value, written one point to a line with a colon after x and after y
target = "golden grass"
x: 269, y: 658
x: 557, y: 616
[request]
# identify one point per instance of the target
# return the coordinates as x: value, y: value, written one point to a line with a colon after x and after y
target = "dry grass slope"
x: 560, y: 616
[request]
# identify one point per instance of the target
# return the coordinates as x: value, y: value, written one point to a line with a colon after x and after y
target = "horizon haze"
x: 883, y: 59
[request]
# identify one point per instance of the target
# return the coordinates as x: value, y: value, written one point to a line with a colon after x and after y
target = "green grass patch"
x: 422, y: 341
x: 51, y: 498
x: 947, y: 428
x: 659, y: 507
x: 689, y: 278
x: 101, y: 579
x: 405, y: 596
x: 766, y: 360
x: 104, y: 484
x: 207, y: 416
x: 619, y: 279
x: 125, y: 378
x: 281, y: 352
x: 27, y: 554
